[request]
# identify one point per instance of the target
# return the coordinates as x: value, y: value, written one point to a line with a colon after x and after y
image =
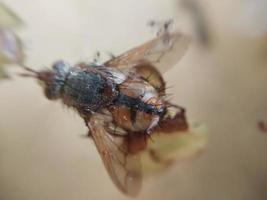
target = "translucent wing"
x: 163, y: 52
x: 122, y: 164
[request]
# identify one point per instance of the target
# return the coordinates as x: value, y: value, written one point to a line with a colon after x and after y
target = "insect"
x: 122, y: 102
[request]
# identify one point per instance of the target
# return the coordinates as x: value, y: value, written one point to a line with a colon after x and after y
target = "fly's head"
x: 52, y: 80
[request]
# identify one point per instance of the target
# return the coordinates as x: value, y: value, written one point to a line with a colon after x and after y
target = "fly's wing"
x: 163, y: 52
x: 123, y: 166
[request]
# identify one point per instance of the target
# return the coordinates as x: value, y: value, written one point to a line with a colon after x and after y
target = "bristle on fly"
x: 29, y: 72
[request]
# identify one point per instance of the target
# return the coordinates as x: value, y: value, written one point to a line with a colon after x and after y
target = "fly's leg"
x: 89, y: 134
x: 111, y: 55
x: 86, y: 124
x: 86, y: 115
x: 97, y: 57
x: 153, y: 124
x: 161, y: 27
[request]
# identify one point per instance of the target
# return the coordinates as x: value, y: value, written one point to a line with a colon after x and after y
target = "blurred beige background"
x: 43, y: 154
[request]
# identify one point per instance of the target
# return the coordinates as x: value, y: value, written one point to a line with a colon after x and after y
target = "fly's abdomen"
x: 138, y: 106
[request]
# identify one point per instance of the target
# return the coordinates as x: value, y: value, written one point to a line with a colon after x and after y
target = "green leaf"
x: 165, y: 149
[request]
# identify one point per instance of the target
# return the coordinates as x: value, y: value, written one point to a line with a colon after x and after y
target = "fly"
x: 122, y: 102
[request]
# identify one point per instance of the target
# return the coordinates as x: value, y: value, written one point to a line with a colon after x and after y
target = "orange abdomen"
x: 131, y: 116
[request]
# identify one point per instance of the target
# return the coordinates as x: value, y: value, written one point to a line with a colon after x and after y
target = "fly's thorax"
x: 88, y: 89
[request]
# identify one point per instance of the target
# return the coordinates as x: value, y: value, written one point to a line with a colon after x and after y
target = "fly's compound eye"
x: 61, y: 67
x: 57, y: 81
